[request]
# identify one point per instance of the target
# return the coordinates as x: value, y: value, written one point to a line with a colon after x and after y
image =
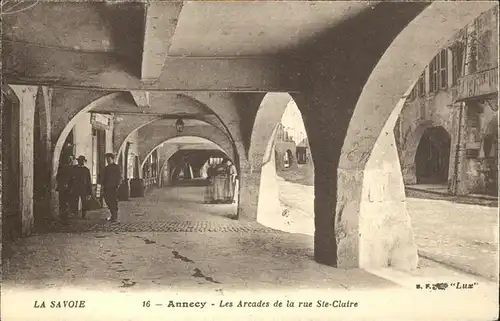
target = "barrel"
x: 123, y: 191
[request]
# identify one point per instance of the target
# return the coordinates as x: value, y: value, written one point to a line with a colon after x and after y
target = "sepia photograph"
x: 249, y: 160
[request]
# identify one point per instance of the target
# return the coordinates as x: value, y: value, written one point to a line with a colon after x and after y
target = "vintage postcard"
x: 248, y: 160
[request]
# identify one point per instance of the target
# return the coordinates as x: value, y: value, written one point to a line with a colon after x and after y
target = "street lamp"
x: 179, y: 125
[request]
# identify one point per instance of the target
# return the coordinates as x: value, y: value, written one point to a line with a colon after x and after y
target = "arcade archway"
x: 286, y: 194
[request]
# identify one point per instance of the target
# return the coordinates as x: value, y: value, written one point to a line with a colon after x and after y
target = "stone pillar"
x: 27, y: 97
x: 249, y: 192
x: 324, y: 131
x: 385, y: 233
x: 409, y: 173
x: 359, y: 208
x: 268, y: 206
x: 407, y: 159
x: 325, y: 186
x: 124, y: 191
x: 43, y: 157
x: 373, y: 228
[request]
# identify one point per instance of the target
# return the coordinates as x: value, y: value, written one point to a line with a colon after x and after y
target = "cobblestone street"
x: 171, y: 238
x: 169, y: 243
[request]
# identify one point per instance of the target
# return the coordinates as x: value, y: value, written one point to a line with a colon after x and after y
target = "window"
x: 438, y: 71
x: 419, y: 88
x: 444, y: 68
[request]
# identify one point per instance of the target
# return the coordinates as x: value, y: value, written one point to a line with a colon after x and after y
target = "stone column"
x: 27, y: 97
x: 249, y: 192
x: 359, y: 208
x: 268, y: 206
x: 385, y: 232
x: 43, y: 157
x: 409, y: 174
x: 408, y: 168
x: 373, y: 228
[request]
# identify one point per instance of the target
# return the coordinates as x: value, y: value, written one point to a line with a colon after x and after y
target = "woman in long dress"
x: 220, y: 176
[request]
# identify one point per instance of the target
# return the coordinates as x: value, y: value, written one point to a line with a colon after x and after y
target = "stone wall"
x: 419, y: 114
x: 431, y: 109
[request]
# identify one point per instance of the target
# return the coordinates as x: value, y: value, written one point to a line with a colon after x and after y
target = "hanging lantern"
x: 179, y: 125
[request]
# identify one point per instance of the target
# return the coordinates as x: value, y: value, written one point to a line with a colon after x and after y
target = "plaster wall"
x: 268, y: 207
x: 27, y: 98
x: 82, y: 135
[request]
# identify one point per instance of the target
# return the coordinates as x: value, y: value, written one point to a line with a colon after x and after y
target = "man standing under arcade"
x: 111, y: 182
x: 81, y: 186
x: 64, y: 180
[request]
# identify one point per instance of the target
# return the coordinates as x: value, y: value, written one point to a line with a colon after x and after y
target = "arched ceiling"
x: 212, y: 29
x: 156, y: 102
x: 190, y: 140
x: 169, y: 45
x: 194, y: 28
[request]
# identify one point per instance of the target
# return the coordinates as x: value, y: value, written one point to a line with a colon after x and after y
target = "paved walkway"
x: 462, y: 236
x: 171, y: 238
x: 169, y: 245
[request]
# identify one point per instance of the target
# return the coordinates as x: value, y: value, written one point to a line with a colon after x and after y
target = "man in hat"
x: 110, y: 184
x: 64, y: 179
x: 82, y: 185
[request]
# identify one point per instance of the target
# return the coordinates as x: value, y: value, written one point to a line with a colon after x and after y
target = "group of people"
x: 222, y: 181
x: 74, y: 185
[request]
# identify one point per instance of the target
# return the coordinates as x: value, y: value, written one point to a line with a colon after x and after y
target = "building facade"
x: 285, y: 148
x: 447, y: 132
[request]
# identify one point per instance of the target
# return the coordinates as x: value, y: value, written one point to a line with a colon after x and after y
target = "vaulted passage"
x: 163, y: 239
x: 176, y: 113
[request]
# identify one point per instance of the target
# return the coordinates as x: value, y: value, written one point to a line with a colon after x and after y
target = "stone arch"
x: 172, y: 140
x: 409, y: 149
x: 58, y: 146
x: 171, y: 146
x: 367, y: 183
x: 155, y: 133
x: 223, y: 106
x: 432, y: 157
x: 42, y: 156
x: 121, y: 140
x: 262, y: 155
x: 268, y: 117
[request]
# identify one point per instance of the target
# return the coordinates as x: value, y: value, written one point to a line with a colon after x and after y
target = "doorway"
x: 433, y: 156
